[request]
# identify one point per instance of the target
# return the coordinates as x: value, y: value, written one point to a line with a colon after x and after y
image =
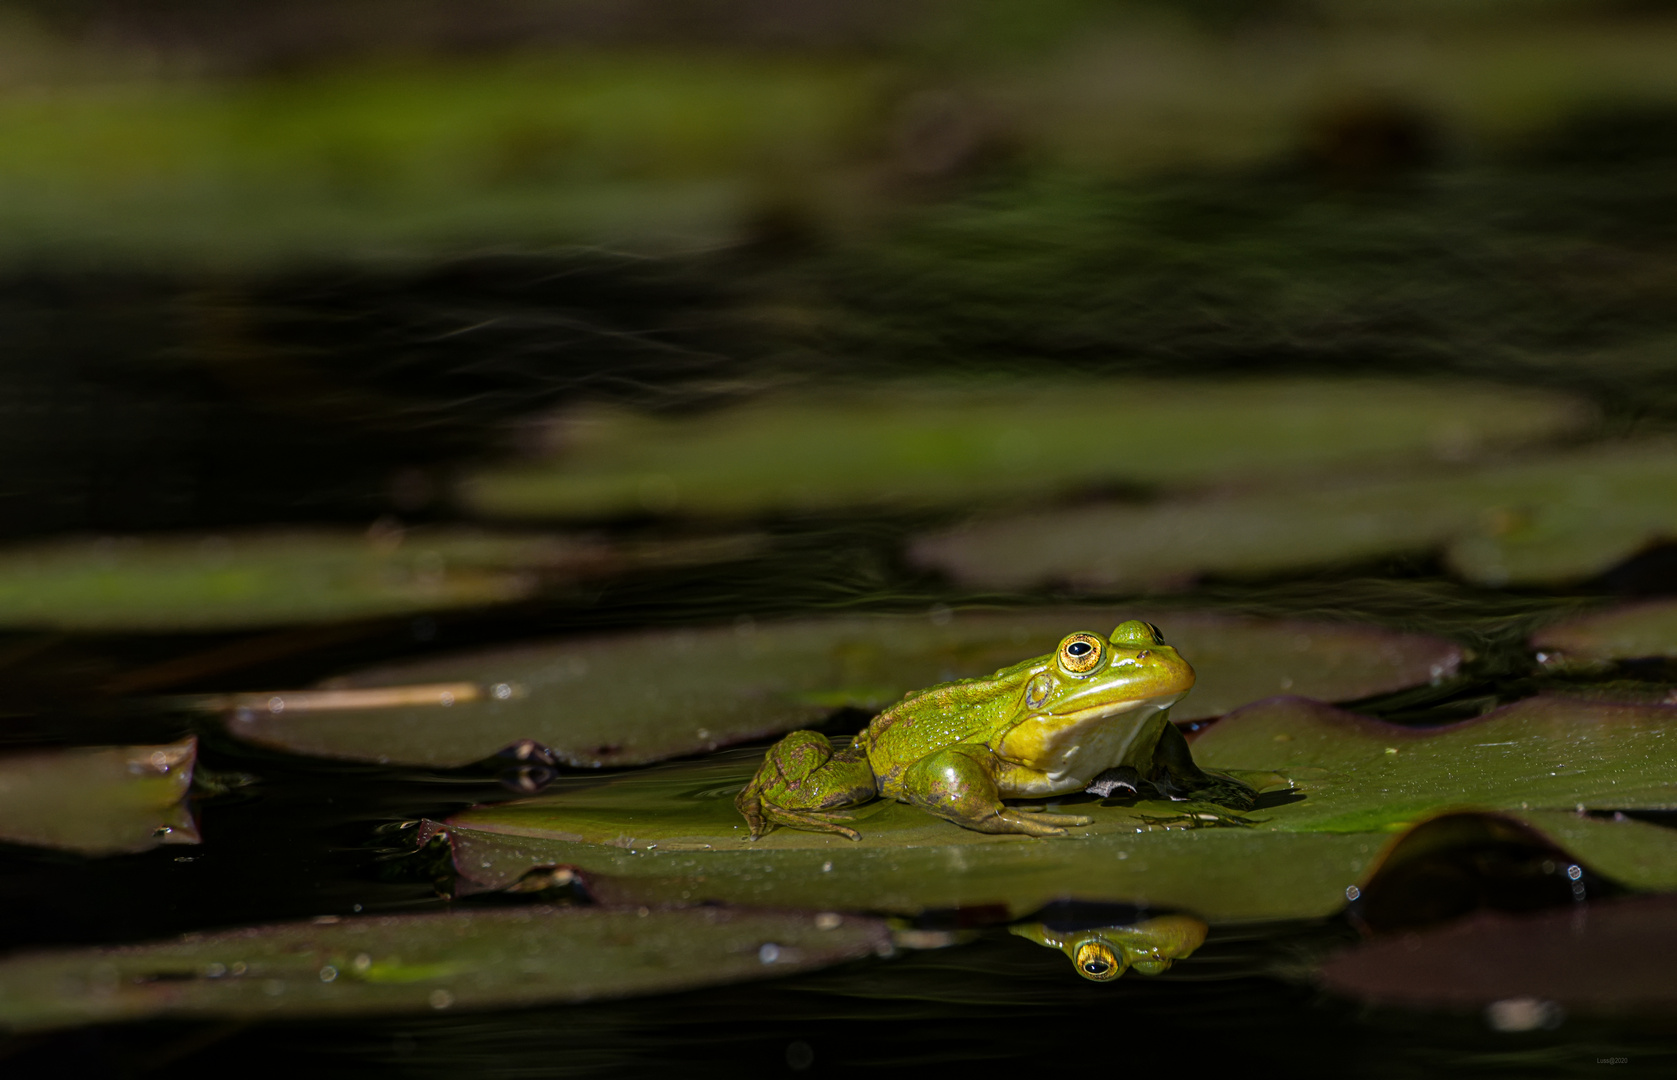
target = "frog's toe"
x: 1062, y: 819
x: 1041, y: 813
x: 1009, y: 821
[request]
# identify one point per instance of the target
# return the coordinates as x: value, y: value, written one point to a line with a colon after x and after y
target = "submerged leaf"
x: 672, y: 834
x: 635, y: 698
x: 1628, y: 632
x: 423, y: 963
x: 1606, y: 957
x: 1561, y: 518
x: 269, y: 578
x: 102, y: 800
x: 921, y: 444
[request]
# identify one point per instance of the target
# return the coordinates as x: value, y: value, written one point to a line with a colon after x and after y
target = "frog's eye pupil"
x: 1079, y: 648
x: 1096, y: 967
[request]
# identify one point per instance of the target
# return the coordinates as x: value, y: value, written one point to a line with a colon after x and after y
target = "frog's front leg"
x: 802, y: 783
x: 959, y: 784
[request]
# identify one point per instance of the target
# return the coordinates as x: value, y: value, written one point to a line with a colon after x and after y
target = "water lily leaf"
x: 98, y: 800
x: 267, y: 578
x: 422, y: 963
x: 1605, y: 957
x: 1559, y: 518
x: 672, y: 834
x: 929, y: 444
x: 635, y: 698
x: 1368, y: 775
x: 1627, y: 632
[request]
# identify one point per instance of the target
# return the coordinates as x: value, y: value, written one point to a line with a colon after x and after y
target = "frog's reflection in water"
x: 1103, y: 946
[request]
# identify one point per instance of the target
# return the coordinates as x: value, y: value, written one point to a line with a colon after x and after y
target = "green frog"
x: 1043, y: 727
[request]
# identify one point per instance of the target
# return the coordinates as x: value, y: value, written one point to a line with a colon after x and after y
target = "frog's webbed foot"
x: 1030, y: 822
x: 810, y: 820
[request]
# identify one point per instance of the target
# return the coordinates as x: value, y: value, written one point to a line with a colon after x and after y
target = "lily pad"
x: 1627, y: 632
x: 920, y: 444
x: 1560, y: 518
x: 102, y: 800
x: 268, y: 578
x: 1368, y: 775
x: 1607, y: 957
x: 672, y: 835
x: 635, y: 698
x: 425, y: 963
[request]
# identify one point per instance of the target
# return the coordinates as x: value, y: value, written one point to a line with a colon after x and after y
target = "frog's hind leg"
x: 802, y: 783
x: 957, y: 784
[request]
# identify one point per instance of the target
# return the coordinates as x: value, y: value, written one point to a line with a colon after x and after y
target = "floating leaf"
x: 672, y: 834
x: 635, y: 698
x: 1628, y: 632
x: 258, y: 579
x: 98, y: 800
x: 1604, y: 957
x: 1560, y: 518
x: 1368, y: 775
x: 929, y: 444
x: 422, y: 963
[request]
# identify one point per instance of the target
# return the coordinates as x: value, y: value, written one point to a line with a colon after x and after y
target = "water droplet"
x: 1352, y: 892
x: 328, y: 973
x: 769, y: 953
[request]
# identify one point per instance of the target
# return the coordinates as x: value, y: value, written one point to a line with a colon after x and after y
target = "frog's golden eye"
x: 1082, y: 653
x: 1096, y: 960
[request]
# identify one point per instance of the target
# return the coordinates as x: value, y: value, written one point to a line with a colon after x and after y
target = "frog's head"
x: 1082, y: 709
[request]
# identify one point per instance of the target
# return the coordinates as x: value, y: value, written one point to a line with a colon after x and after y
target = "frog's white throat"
x: 1058, y: 753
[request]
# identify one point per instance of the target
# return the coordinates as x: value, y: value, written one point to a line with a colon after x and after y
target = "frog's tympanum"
x: 1042, y: 727
x: 1103, y: 953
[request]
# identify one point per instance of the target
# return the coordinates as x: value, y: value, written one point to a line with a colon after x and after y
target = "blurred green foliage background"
x: 311, y: 255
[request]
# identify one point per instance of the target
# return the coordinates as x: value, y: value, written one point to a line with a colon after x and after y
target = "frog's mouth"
x: 1094, y: 713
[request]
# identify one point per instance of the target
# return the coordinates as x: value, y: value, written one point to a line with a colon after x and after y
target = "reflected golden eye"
x: 1096, y: 960
x: 1081, y: 653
